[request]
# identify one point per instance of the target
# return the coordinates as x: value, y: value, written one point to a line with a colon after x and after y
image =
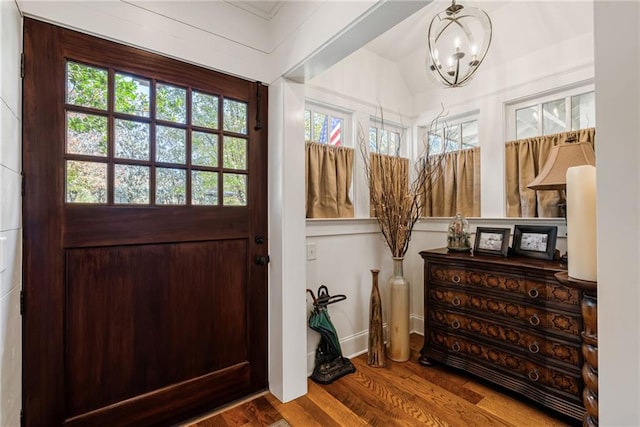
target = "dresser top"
x: 443, y: 254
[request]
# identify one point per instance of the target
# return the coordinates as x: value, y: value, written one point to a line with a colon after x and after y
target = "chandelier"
x: 459, y: 38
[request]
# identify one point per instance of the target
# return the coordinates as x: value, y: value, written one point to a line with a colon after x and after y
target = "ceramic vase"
x: 376, y: 356
x: 399, y: 314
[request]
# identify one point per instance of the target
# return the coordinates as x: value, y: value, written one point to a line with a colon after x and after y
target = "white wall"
x: 618, y: 205
x: 364, y: 82
x: 617, y: 220
x: 498, y: 83
x: 346, y: 251
x: 10, y: 218
x: 287, y: 331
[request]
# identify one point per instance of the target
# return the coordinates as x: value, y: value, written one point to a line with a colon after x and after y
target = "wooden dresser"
x: 589, y: 344
x: 507, y: 320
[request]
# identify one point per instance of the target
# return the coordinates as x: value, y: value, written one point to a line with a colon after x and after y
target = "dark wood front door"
x: 145, y: 234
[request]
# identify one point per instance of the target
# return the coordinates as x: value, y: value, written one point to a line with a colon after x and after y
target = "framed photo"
x: 535, y: 241
x: 492, y: 241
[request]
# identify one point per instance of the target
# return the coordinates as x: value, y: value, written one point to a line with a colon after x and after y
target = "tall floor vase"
x: 399, y: 314
x: 375, y: 354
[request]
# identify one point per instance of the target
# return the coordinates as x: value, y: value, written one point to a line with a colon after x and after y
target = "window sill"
x: 346, y: 226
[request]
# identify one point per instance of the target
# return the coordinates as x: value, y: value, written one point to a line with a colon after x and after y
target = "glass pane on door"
x: 234, y: 153
x: 234, y: 187
x: 171, y: 103
x: 132, y: 140
x: 204, y: 187
x: 86, y: 134
x: 86, y: 182
x: 204, y: 149
x: 235, y: 116
x: 170, y: 144
x: 131, y: 184
x: 204, y: 110
x: 132, y: 95
x: 86, y: 86
x: 171, y: 186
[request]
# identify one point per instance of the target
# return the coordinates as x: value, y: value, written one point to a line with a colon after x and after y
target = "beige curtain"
x: 524, y: 158
x: 454, y: 184
x: 328, y: 178
x: 382, y: 165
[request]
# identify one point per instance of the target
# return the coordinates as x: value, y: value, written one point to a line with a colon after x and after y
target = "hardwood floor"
x: 401, y: 394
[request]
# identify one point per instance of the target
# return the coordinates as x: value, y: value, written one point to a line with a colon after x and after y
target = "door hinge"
x: 21, y: 417
x: 21, y: 303
x: 22, y: 65
x: 258, y: 125
x: 22, y: 185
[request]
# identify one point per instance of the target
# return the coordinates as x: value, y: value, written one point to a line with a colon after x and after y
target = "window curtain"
x: 329, y: 171
x: 384, y: 166
x: 454, y: 184
x: 524, y: 158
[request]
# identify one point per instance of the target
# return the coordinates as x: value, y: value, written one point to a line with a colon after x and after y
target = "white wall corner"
x: 287, y: 290
x: 618, y: 211
x: 10, y: 214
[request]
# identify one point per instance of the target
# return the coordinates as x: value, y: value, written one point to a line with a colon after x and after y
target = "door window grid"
x: 131, y: 140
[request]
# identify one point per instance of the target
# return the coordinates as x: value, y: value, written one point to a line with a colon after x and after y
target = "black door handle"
x: 261, y: 259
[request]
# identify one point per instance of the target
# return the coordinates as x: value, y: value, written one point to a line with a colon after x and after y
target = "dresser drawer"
x: 534, y: 345
x: 533, y: 290
x: 536, y: 318
x: 507, y: 320
x: 532, y: 373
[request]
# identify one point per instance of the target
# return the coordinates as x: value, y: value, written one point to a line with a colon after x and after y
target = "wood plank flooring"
x: 401, y: 394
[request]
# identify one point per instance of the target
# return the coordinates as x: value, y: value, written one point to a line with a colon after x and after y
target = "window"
x: 385, y: 139
x: 329, y: 162
x: 326, y: 126
x: 564, y: 111
x: 458, y: 133
x: 132, y: 140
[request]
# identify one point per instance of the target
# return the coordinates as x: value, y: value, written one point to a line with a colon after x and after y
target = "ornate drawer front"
x: 529, y: 344
x: 538, y: 318
x: 534, y: 373
x: 534, y: 290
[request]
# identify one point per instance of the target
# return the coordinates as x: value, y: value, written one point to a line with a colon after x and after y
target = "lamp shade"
x: 553, y: 175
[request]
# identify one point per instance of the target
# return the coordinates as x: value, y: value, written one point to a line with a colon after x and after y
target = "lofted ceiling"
x: 265, y: 9
x: 520, y: 27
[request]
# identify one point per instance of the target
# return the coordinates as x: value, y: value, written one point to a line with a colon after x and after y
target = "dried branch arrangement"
x: 396, y: 203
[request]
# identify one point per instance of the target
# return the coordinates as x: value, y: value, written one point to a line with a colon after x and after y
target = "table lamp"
x: 570, y: 170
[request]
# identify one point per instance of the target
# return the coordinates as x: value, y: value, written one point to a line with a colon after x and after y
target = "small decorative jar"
x: 458, y: 234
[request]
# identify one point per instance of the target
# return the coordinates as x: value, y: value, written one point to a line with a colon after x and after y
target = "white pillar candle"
x: 581, y: 222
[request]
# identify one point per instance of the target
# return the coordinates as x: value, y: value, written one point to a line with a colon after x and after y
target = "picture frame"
x: 535, y: 241
x: 492, y: 241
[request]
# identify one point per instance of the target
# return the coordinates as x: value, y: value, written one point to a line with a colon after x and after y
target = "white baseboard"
x: 358, y: 344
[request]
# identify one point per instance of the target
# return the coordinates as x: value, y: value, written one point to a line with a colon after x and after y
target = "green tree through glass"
x: 133, y: 127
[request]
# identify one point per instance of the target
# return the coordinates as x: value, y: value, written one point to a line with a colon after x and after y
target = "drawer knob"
x: 456, y: 278
x: 455, y: 347
x: 534, y: 348
x: 533, y: 375
x: 455, y: 324
x: 533, y: 293
x: 534, y: 320
x: 455, y: 301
